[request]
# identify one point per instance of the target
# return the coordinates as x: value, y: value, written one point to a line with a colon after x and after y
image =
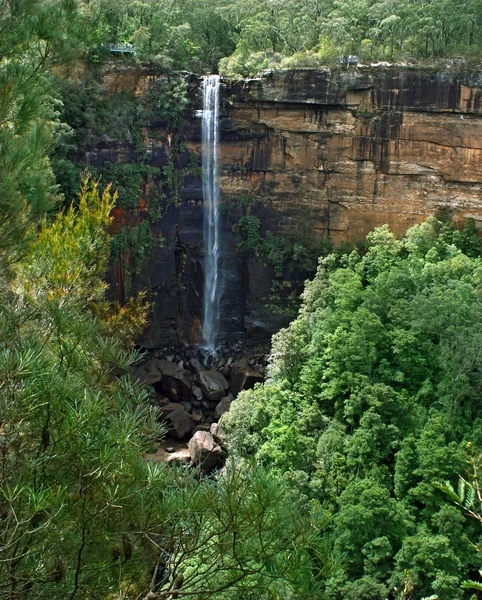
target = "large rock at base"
x: 180, y: 423
x: 213, y: 384
x: 244, y: 377
x: 217, y: 432
x: 202, y: 427
x: 149, y: 372
x: 170, y: 407
x: 204, y: 450
x: 222, y: 407
x: 176, y: 382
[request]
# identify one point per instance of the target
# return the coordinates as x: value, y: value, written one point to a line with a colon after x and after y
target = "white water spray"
x: 210, y: 139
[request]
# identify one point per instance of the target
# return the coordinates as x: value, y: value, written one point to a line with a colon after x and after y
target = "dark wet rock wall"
x: 338, y: 152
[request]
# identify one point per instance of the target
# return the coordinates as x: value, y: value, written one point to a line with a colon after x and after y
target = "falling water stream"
x: 212, y: 282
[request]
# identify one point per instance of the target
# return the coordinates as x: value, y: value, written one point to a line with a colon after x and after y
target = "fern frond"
x: 461, y: 489
x: 470, y: 497
x: 472, y: 585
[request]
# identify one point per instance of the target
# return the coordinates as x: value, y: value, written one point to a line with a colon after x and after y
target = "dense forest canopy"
x: 373, y: 403
x: 248, y: 36
x: 344, y: 477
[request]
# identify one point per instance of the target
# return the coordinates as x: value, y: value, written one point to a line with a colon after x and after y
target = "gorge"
x: 240, y: 300
x: 306, y: 154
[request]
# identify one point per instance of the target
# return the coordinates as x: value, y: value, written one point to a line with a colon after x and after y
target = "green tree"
x: 35, y: 36
x: 373, y: 394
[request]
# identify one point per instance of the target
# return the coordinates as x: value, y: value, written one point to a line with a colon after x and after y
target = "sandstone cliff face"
x: 338, y: 152
x: 357, y: 148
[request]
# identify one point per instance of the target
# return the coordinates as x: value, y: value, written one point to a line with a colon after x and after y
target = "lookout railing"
x: 120, y: 48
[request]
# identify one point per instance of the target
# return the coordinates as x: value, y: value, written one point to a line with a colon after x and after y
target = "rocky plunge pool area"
x: 192, y: 390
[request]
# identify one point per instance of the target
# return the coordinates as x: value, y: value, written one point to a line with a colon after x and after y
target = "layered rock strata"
x: 336, y: 152
x: 356, y: 148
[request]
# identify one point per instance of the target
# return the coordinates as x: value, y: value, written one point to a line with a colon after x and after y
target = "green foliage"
x: 297, y: 34
x: 35, y: 36
x: 127, y: 179
x: 243, y: 534
x: 244, y: 37
x: 292, y: 255
x: 94, y: 114
x: 138, y: 241
x: 192, y: 35
x: 70, y: 256
x: 71, y: 429
x: 373, y: 396
x: 244, y: 63
x: 133, y: 247
x: 169, y: 98
x: 469, y: 498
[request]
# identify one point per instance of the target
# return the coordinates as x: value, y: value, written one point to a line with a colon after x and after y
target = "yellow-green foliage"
x: 69, y: 257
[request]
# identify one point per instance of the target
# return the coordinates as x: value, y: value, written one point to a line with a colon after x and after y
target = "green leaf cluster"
x: 372, y: 398
x: 35, y: 37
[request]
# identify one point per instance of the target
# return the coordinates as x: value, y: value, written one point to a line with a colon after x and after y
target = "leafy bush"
x: 244, y: 63
x: 373, y: 395
x: 292, y: 254
x: 309, y: 59
x: 169, y: 97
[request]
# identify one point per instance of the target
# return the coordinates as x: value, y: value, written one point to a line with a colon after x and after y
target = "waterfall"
x: 210, y: 139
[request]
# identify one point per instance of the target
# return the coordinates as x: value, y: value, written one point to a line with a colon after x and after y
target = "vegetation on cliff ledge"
x: 248, y: 36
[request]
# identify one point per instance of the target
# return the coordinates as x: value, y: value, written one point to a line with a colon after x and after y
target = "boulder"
x: 197, y: 415
x: 222, y: 407
x: 180, y: 423
x: 181, y: 457
x: 187, y: 406
x: 204, y: 450
x: 167, y: 409
x: 213, y: 384
x: 176, y: 382
x: 216, y: 431
x: 243, y: 376
x: 197, y: 393
x: 148, y: 372
x: 159, y: 400
x: 202, y: 427
x: 196, y: 365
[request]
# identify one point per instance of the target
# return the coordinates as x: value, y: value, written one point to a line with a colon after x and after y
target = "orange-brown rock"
x: 357, y: 148
x: 339, y: 152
